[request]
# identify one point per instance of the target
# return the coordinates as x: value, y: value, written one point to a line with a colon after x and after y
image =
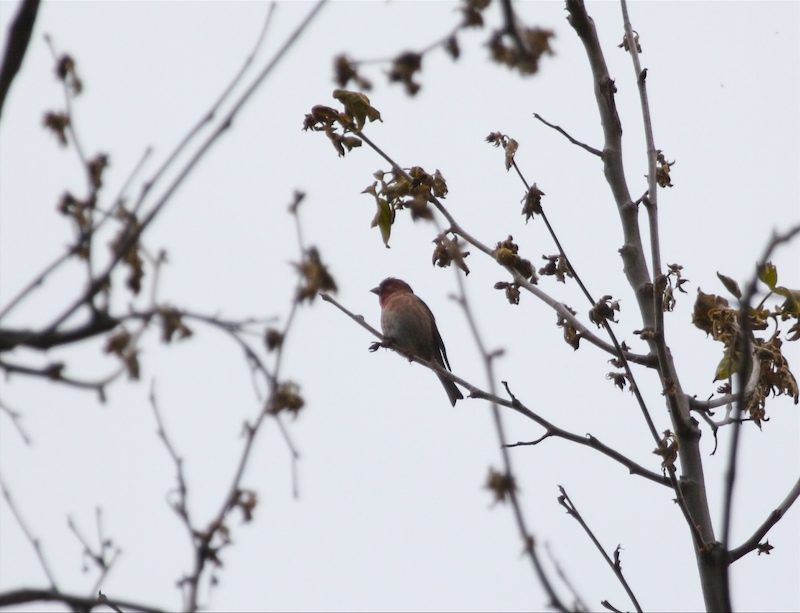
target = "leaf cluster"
x: 768, y: 366
x: 357, y: 110
x: 399, y: 189
x: 506, y: 253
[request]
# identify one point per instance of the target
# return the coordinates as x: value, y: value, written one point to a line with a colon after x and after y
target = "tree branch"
x: 565, y: 501
x: 17, y: 45
x: 588, y: 148
x: 34, y: 541
x: 133, y: 235
x: 754, y: 541
x: 744, y: 374
x: 76, y: 603
x: 529, y: 543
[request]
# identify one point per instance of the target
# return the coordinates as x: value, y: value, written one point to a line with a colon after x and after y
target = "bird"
x: 409, y: 324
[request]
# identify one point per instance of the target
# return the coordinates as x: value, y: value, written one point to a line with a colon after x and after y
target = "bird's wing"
x: 438, y: 343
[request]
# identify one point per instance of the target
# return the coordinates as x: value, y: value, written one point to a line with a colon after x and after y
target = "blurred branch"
x: 510, y: 28
x: 16, y: 418
x: 133, y: 233
x: 68, y: 96
x: 76, y: 603
x: 508, y: 489
x: 16, y: 46
x: 579, y: 604
x: 208, y: 117
x: 34, y: 541
x: 99, y: 323
x: 98, y: 557
x: 208, y: 541
x: 38, y: 280
x: 85, y: 240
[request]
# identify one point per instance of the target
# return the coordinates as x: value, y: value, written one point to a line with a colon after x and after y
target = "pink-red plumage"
x: 408, y: 322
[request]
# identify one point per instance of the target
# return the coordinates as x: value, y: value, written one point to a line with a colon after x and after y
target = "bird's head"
x: 389, y: 286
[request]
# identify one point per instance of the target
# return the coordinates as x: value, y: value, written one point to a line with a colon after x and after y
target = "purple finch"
x: 410, y: 325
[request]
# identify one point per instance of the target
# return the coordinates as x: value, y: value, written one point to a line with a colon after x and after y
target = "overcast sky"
x: 392, y: 514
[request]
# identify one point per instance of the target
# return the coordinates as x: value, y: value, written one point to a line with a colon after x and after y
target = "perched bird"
x: 409, y: 323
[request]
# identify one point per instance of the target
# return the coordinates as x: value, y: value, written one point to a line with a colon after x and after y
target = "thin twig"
x: 606, y: 325
x: 68, y: 101
x: 565, y: 501
x: 588, y: 148
x: 754, y: 542
x: 53, y: 373
x: 579, y: 604
x: 37, y: 281
x: 180, y: 507
x: 98, y: 557
x: 529, y: 543
x: 207, y: 117
x: 34, y: 541
x: 16, y: 418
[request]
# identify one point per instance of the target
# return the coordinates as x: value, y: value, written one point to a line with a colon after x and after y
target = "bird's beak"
x: 376, y: 290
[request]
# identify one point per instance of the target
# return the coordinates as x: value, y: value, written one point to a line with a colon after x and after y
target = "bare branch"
x: 34, y: 541
x: 588, y: 148
x: 565, y: 501
x: 527, y: 538
x: 208, y: 117
x: 606, y: 325
x: 16, y: 418
x: 579, y: 604
x: 593, y: 443
x: 76, y: 603
x: 744, y: 374
x: 17, y: 45
x: 98, y: 557
x: 754, y: 542
x: 133, y: 236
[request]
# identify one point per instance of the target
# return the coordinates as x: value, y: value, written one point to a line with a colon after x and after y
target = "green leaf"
x: 792, y: 302
x: 727, y: 365
x: 730, y: 285
x: 384, y: 219
x: 768, y: 273
x: 357, y: 106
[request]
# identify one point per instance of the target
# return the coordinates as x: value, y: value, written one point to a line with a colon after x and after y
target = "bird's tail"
x: 452, y: 391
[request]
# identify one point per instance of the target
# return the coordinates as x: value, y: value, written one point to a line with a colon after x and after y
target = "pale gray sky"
x: 392, y: 513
